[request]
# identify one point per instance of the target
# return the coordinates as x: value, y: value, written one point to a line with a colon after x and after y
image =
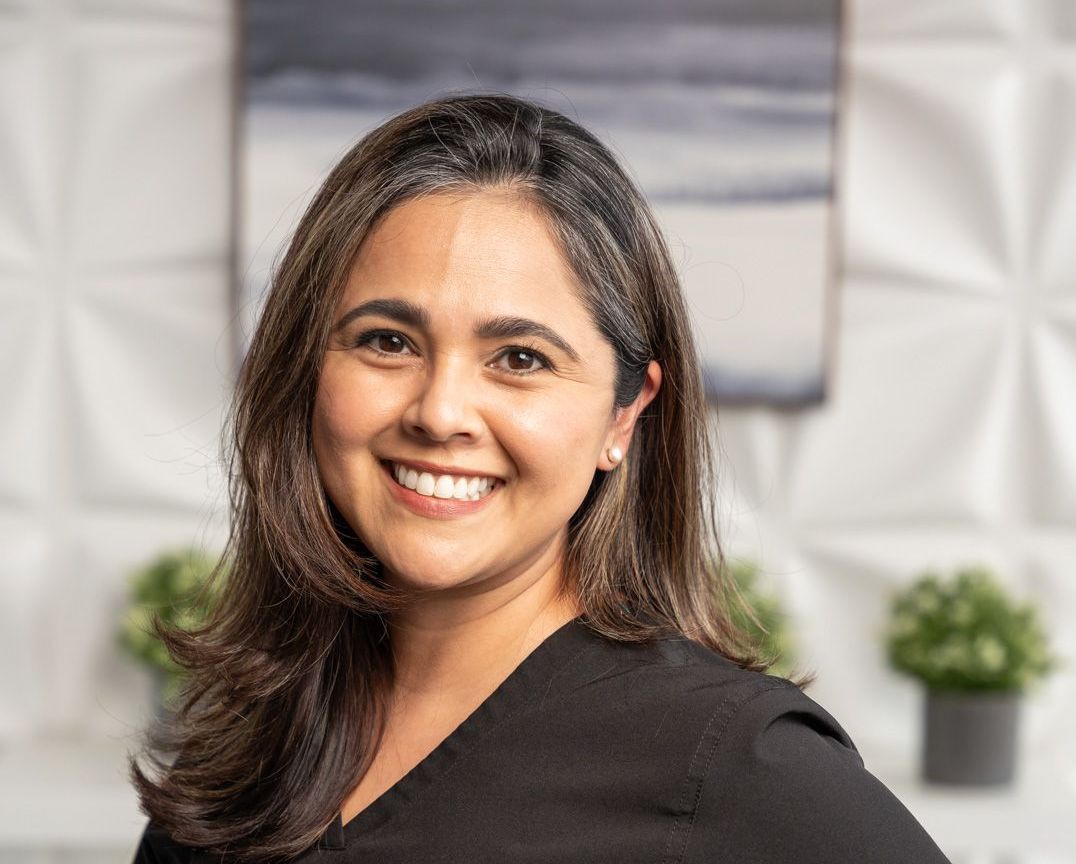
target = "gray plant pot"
x: 971, y: 737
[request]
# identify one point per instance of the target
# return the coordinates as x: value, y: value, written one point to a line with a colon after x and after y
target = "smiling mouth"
x: 437, y: 488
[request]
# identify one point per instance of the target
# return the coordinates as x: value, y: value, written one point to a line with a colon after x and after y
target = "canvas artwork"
x: 724, y: 112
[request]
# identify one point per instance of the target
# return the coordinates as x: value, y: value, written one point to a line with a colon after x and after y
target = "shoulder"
x: 776, y: 777
x: 157, y: 847
x: 766, y: 773
x: 722, y: 703
x: 673, y: 671
x: 669, y: 702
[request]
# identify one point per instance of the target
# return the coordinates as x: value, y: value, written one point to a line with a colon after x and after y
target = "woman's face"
x: 445, y: 369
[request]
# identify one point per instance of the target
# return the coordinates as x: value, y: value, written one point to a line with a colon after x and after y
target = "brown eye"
x: 528, y: 359
x: 388, y: 343
x: 521, y: 361
x: 385, y: 342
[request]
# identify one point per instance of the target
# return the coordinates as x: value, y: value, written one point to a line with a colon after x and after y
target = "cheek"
x: 334, y: 418
x: 329, y: 446
x: 341, y: 424
x: 349, y: 408
x: 556, y: 443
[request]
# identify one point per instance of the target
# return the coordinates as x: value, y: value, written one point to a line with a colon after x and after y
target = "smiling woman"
x: 477, y: 608
x: 459, y: 276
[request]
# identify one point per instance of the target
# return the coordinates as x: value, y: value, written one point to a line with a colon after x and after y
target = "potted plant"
x: 169, y: 587
x: 976, y: 651
x: 771, y: 632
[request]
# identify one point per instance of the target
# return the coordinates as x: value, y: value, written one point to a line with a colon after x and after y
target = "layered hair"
x: 286, y: 684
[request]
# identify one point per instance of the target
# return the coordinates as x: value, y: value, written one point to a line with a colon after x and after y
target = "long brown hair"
x: 285, y: 687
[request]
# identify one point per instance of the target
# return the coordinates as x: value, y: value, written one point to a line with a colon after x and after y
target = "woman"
x: 477, y: 608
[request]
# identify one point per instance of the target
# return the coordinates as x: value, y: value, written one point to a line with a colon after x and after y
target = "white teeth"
x: 444, y: 485
x: 406, y: 476
x: 426, y: 484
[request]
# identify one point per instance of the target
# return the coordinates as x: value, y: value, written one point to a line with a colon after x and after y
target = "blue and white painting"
x: 723, y: 111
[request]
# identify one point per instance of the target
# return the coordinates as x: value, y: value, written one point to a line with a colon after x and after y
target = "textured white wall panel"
x: 931, y: 136
x: 28, y: 190
x: 27, y: 347
x: 150, y: 184
x: 1050, y: 575
x: 115, y: 351
x: 145, y: 333
x: 1052, y: 422
x: 23, y: 606
x: 1053, y: 180
x: 914, y: 432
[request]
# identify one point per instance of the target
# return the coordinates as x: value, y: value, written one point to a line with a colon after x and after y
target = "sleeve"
x: 157, y: 847
x: 779, y: 780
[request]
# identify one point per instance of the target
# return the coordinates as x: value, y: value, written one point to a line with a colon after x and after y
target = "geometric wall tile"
x: 150, y: 370
x: 1051, y: 421
x: 756, y: 450
x: 116, y: 360
x: 1051, y: 585
x: 28, y: 344
x: 932, y: 185
x: 27, y: 184
x: 1054, y: 185
x: 151, y: 125
x: 917, y: 428
x: 25, y: 605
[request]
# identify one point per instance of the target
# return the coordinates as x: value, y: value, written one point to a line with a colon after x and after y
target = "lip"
x: 428, y: 505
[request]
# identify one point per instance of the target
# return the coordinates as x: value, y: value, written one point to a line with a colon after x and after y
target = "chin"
x: 427, y: 578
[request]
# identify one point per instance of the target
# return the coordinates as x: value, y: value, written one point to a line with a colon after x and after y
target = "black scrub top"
x: 600, y: 751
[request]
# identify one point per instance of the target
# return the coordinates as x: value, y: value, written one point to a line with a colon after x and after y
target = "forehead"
x: 485, y: 251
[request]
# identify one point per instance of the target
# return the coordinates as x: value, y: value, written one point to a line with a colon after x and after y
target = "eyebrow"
x: 499, y: 327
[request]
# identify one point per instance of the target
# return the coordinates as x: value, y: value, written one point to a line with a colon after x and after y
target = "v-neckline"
x: 549, y: 656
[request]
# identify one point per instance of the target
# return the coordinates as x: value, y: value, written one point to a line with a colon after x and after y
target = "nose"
x: 443, y: 408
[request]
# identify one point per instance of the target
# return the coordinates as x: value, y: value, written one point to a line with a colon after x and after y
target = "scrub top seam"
x: 686, y: 821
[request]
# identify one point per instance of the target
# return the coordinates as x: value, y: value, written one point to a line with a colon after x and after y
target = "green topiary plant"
x: 773, y: 636
x: 964, y: 633
x: 169, y: 586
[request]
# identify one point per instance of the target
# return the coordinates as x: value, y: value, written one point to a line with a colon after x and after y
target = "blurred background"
x: 148, y: 181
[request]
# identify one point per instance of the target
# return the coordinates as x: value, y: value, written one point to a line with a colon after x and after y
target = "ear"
x: 624, y: 425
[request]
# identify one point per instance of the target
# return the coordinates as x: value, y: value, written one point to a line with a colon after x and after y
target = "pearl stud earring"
x: 615, y: 454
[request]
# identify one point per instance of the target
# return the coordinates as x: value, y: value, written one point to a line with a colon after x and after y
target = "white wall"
x: 948, y: 435
x: 115, y: 360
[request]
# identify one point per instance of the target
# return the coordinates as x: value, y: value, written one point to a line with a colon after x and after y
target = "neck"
x: 449, y: 645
